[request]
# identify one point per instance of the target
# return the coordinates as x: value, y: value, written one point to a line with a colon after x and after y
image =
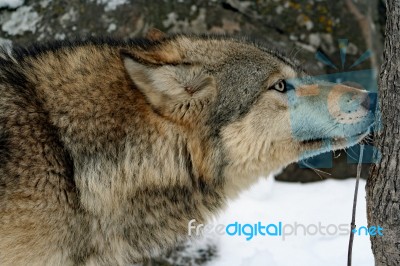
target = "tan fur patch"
x: 308, y: 90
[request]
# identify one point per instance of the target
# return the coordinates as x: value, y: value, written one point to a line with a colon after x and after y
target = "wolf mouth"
x: 308, y: 141
x: 359, y: 137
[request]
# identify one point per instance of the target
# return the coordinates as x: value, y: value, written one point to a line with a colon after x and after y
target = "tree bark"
x: 383, y: 185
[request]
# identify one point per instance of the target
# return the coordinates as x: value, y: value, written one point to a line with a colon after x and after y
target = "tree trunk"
x: 383, y: 186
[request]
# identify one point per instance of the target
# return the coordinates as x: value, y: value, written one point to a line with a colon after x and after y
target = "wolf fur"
x: 108, y: 148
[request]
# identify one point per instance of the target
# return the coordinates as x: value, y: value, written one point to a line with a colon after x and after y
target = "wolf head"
x: 264, y: 109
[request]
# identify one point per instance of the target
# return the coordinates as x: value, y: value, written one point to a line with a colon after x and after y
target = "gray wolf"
x: 108, y: 148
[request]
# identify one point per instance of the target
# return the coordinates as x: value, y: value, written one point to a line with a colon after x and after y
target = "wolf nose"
x: 369, y: 102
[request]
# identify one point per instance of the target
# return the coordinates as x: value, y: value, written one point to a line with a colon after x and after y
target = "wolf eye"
x: 280, y: 86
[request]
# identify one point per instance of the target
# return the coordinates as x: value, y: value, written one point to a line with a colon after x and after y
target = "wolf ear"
x: 155, y: 35
x: 161, y: 54
x: 171, y: 89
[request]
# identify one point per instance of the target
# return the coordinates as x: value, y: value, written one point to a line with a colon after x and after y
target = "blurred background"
x: 308, y: 31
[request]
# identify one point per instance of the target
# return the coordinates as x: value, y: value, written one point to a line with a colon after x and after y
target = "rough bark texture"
x: 383, y: 186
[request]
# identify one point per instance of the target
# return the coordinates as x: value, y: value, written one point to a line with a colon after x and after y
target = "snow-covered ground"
x: 327, y: 202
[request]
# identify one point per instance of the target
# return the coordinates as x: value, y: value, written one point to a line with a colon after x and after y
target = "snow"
x: 22, y: 20
x: 328, y: 202
x: 11, y: 3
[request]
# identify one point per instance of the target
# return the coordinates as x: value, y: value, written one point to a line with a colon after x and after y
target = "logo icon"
x: 338, y: 113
